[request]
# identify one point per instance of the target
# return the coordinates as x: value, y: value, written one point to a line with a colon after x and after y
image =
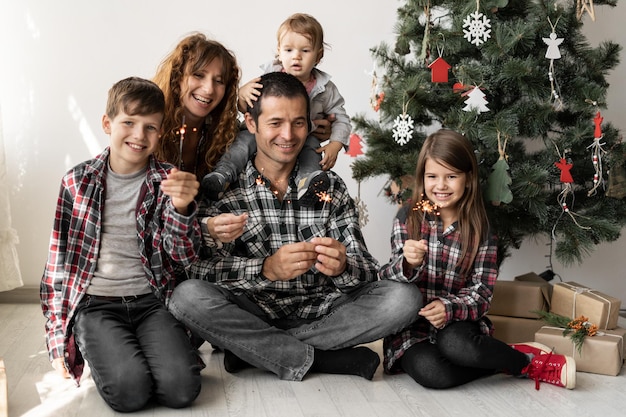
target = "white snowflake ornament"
x: 402, y: 129
x: 476, y: 28
x: 362, y: 211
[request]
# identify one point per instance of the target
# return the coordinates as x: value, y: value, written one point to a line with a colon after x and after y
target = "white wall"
x: 60, y: 58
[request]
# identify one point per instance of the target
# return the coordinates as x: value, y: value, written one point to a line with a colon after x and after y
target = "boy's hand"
x: 323, y: 127
x: 59, y: 365
x: 414, y: 251
x: 331, y: 256
x: 331, y: 150
x: 248, y: 94
x: 182, y: 187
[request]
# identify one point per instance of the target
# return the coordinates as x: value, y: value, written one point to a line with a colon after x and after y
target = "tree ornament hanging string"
x: 423, y: 54
x: 403, y: 126
x: 567, y: 193
x: 553, y: 53
x: 583, y: 6
x: 597, y: 151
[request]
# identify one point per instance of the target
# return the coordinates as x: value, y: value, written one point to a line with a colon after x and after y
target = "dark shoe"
x: 310, y: 188
x: 213, y: 185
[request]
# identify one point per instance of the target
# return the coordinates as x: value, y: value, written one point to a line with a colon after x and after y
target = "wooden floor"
x: 35, y: 390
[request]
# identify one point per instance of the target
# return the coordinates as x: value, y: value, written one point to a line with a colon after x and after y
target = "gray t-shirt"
x: 119, y: 271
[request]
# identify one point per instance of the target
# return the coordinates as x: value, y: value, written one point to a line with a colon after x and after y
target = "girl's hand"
x: 331, y: 150
x: 435, y: 313
x: 414, y: 251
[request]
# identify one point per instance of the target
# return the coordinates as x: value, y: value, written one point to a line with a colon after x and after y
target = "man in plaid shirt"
x: 298, y: 289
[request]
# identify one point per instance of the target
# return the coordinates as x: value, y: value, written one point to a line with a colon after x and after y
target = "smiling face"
x: 280, y: 132
x: 202, y: 91
x: 298, y: 55
x: 445, y: 187
x: 133, y: 139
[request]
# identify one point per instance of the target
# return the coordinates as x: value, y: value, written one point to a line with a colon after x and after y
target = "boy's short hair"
x: 280, y: 84
x: 134, y: 95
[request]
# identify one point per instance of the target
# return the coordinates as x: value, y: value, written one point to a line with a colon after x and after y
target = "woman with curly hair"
x: 200, y: 79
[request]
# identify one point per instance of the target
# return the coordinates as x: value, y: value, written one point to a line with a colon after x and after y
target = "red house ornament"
x: 439, y: 70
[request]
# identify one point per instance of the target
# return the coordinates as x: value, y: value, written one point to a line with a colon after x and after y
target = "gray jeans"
x: 286, y: 347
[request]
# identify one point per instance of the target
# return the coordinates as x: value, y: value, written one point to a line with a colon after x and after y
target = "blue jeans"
x: 286, y: 347
x: 137, y: 351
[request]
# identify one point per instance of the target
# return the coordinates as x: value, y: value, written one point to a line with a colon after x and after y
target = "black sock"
x: 361, y: 361
x: 233, y: 363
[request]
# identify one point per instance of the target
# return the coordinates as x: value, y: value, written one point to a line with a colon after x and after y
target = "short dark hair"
x: 280, y: 84
x: 134, y: 95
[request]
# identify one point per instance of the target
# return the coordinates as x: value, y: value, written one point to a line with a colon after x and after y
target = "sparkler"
x: 182, y: 139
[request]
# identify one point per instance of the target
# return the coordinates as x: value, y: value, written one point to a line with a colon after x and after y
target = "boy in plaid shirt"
x: 124, y: 222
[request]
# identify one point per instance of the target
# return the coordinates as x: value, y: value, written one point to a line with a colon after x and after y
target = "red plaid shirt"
x: 465, y: 297
x: 167, y: 240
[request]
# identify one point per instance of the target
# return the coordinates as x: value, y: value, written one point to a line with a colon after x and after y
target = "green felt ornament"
x: 498, y: 190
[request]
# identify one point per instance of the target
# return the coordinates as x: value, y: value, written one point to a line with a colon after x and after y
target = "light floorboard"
x: 34, y: 390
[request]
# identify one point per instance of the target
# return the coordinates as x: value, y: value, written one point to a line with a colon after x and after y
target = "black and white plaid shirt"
x: 271, y: 224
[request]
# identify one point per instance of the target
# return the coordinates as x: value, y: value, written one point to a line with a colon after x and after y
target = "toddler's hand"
x: 249, y: 93
x: 331, y: 150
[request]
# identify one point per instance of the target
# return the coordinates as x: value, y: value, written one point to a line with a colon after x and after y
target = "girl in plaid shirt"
x: 441, y: 243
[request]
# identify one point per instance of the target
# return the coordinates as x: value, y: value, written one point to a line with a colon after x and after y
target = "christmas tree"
x: 527, y: 89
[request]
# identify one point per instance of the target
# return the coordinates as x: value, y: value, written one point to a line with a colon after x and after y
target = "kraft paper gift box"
x: 621, y: 333
x: 573, y: 300
x: 600, y: 354
x: 520, y: 298
x: 515, y: 329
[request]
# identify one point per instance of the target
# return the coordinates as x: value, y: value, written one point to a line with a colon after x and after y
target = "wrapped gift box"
x: 572, y: 300
x: 515, y: 329
x: 520, y: 298
x: 621, y: 333
x: 600, y: 354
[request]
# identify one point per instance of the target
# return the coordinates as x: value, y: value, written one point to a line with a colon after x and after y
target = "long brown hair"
x: 455, y: 151
x: 190, y: 55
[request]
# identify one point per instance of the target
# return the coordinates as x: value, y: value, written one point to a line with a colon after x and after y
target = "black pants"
x: 461, y: 353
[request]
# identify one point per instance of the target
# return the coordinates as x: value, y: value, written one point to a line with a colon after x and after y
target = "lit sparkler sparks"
x: 325, y: 197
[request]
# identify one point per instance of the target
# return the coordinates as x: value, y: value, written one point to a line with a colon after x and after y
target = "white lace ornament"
x: 476, y: 28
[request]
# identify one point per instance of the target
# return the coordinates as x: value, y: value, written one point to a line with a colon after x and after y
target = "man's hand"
x: 331, y: 256
x: 182, y: 187
x: 290, y: 261
x: 226, y: 227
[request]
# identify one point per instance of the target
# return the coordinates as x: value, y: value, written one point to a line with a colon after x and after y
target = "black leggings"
x: 462, y: 353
